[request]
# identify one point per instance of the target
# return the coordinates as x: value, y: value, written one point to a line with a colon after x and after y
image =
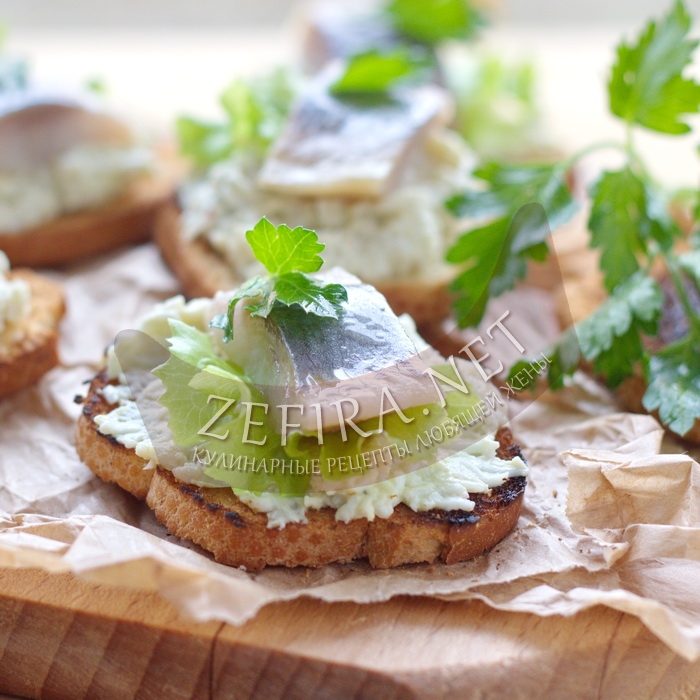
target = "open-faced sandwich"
x: 74, y: 179
x: 31, y: 308
x: 370, y: 171
x: 294, y: 422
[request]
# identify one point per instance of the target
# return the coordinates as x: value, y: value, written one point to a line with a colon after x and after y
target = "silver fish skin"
x: 37, y: 125
x: 341, y: 147
x: 302, y: 360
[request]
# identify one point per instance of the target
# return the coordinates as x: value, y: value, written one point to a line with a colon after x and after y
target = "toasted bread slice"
x: 107, y: 458
x: 202, y: 272
x: 29, y: 349
x: 238, y: 536
x: 127, y: 220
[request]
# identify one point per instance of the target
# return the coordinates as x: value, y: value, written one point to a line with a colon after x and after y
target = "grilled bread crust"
x: 202, y: 272
x: 29, y: 349
x: 237, y: 535
x: 127, y: 220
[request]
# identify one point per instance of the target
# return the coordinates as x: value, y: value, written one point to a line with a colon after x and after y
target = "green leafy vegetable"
x: 564, y: 356
x: 625, y: 216
x: 433, y: 21
x: 673, y: 379
x: 631, y: 225
x: 282, y: 249
x: 188, y: 392
x: 287, y: 254
x: 374, y: 72
x: 647, y: 86
x: 690, y: 263
x: 96, y: 85
x: 194, y: 347
x: 613, y: 336
x: 509, y: 188
x: 255, y: 111
x: 203, y: 142
x: 497, y: 109
x: 494, y: 256
x: 637, y: 301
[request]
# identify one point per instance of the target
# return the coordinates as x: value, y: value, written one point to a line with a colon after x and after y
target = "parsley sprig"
x: 433, y: 21
x: 255, y: 112
x: 629, y: 223
x: 288, y: 255
x: 377, y: 72
x: 418, y: 28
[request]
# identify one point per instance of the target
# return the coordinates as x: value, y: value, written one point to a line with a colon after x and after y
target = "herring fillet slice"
x: 348, y: 147
x: 37, y: 126
x: 302, y: 360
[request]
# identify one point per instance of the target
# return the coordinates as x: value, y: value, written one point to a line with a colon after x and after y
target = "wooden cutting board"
x: 63, y: 638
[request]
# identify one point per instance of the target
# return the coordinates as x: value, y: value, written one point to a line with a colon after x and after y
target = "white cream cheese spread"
x: 402, y: 234
x: 81, y: 178
x: 15, y: 296
x: 124, y: 423
x: 445, y: 485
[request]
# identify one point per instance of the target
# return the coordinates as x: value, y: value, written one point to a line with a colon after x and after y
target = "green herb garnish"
x: 288, y: 255
x: 255, y: 114
x: 496, y: 103
x: 375, y: 72
x: 647, y: 85
x: 96, y: 85
x: 630, y: 224
x: 433, y: 21
x: 495, y: 254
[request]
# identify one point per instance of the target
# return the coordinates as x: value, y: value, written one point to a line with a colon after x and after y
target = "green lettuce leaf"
x: 255, y: 112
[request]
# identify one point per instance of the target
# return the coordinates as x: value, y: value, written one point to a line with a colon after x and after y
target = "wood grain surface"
x: 63, y: 638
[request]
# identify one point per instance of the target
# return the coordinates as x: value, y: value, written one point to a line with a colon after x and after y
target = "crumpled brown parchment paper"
x: 607, y: 518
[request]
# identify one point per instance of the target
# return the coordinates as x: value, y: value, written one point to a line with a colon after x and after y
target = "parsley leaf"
x: 512, y: 187
x: 255, y: 111
x: 282, y: 249
x: 647, y: 86
x: 375, y: 72
x: 612, y: 336
x: 673, y: 385
x: 495, y: 257
x: 287, y: 254
x: 626, y: 214
x: 432, y: 21
x: 637, y: 300
x: 564, y: 357
x: 690, y: 263
x: 314, y: 297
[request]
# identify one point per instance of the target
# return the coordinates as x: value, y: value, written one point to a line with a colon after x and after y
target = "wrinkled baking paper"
x: 607, y: 519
